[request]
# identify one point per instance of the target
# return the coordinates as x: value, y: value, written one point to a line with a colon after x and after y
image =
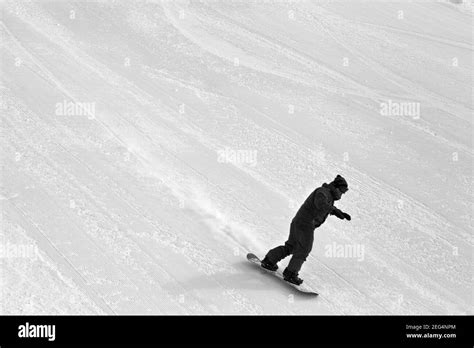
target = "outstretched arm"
x: 340, y: 214
x: 322, y: 204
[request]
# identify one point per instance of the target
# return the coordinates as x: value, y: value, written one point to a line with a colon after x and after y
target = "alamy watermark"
x: 69, y: 108
x: 400, y: 108
x: 345, y: 251
x: 233, y: 156
x: 28, y: 330
x: 25, y: 251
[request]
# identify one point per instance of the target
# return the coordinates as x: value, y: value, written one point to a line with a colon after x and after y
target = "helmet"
x: 340, y: 183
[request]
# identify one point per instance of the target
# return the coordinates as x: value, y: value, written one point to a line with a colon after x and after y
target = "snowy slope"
x: 130, y: 206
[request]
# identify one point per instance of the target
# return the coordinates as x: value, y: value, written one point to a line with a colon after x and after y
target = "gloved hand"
x: 341, y: 215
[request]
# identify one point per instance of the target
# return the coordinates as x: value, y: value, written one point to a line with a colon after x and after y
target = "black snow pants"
x: 299, y: 244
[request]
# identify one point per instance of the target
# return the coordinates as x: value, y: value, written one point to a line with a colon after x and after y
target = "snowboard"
x: 304, y: 288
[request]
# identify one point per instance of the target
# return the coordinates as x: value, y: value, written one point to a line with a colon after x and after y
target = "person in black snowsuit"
x: 312, y: 214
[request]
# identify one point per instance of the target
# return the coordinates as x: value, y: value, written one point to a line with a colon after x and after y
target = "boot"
x: 267, y: 264
x: 292, y: 277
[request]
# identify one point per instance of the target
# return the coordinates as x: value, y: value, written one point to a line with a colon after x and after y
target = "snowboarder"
x: 312, y: 214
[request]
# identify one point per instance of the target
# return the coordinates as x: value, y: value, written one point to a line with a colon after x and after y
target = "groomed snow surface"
x: 147, y: 146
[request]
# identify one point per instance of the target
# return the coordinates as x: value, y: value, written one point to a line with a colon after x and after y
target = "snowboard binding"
x: 267, y: 264
x: 292, y: 277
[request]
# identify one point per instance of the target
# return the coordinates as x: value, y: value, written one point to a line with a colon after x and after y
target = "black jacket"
x: 317, y: 207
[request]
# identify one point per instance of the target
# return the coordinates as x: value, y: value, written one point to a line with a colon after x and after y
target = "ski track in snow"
x: 131, y: 212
